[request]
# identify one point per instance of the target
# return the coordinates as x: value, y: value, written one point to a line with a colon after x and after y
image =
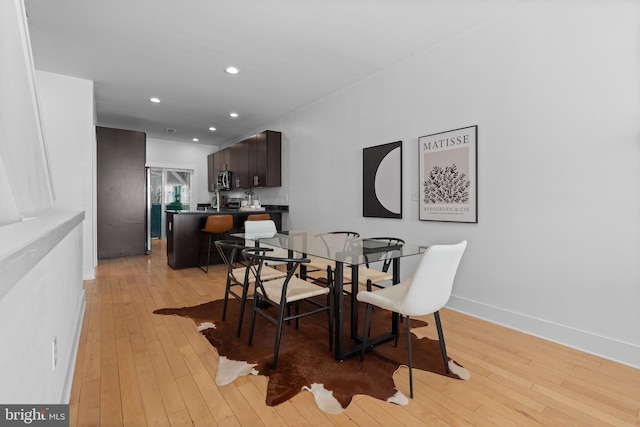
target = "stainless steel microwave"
x: 224, y: 180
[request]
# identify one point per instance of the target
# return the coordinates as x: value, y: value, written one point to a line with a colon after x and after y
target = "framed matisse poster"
x: 449, y: 176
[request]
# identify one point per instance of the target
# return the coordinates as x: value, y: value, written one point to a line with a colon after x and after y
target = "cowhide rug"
x: 305, y: 362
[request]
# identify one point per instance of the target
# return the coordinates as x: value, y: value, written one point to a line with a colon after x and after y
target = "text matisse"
x: 446, y: 142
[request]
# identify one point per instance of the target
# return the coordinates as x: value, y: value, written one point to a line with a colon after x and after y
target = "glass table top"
x: 335, y: 246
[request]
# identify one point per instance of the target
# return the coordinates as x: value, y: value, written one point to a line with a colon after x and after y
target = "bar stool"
x: 216, y: 224
x: 259, y: 217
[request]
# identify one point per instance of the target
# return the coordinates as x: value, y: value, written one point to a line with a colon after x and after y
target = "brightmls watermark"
x: 35, y: 415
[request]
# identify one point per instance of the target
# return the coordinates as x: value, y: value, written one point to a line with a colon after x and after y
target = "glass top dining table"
x: 345, y: 252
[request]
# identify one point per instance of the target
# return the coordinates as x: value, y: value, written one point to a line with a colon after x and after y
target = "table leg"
x: 342, y: 353
x: 354, y: 302
x: 303, y: 266
x: 338, y: 309
x: 396, y: 279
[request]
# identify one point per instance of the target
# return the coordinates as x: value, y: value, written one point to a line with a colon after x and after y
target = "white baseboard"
x: 68, y: 382
x: 89, y: 273
x: 607, y: 348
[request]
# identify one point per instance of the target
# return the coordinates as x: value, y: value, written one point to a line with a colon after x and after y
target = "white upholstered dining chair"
x: 261, y: 230
x: 426, y: 292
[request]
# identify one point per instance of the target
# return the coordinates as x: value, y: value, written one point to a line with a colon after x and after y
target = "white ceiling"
x: 290, y: 53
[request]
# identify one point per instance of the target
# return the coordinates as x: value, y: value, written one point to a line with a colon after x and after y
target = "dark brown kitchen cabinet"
x: 240, y: 164
x: 217, y: 162
x: 265, y: 164
x: 234, y: 165
x: 223, y: 158
x: 253, y: 162
x: 212, y: 172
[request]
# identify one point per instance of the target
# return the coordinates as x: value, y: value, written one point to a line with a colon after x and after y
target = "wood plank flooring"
x: 137, y: 369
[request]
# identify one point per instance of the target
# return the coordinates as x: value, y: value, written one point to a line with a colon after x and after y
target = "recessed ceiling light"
x: 234, y: 115
x: 195, y: 140
x: 212, y: 128
x: 232, y: 70
x: 154, y: 100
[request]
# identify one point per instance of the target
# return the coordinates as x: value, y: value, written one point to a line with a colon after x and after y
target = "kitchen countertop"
x: 265, y: 208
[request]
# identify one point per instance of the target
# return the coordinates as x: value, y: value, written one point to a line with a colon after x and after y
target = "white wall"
x: 41, y: 295
x: 25, y: 182
x: 554, y: 89
x: 41, y: 301
x: 183, y: 155
x: 67, y: 106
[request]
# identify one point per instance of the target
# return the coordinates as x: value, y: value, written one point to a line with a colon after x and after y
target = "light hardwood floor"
x: 135, y: 368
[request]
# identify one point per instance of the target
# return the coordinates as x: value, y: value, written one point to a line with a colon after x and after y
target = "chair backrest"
x: 345, y: 237
x: 259, y: 217
x: 389, y: 242
x: 231, y: 253
x: 259, y: 257
x: 258, y: 229
x: 431, y: 283
x: 218, y: 224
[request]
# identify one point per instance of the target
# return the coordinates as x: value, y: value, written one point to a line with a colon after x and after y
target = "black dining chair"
x: 381, y: 250
x: 285, y: 293
x: 240, y: 276
x: 321, y: 269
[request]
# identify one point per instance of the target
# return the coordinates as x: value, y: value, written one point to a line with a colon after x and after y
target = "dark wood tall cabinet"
x: 121, y: 207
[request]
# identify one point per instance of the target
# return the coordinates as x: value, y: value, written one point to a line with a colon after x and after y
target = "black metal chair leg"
x: 243, y: 302
x: 226, y: 299
x: 330, y: 304
x: 278, y: 337
x: 206, y: 270
x: 209, y: 253
x: 443, y: 348
x: 395, y: 342
x: 206, y: 267
x: 410, y: 357
x: 253, y: 318
x: 365, y: 333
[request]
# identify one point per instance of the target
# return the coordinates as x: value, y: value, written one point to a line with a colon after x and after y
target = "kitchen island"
x: 186, y: 244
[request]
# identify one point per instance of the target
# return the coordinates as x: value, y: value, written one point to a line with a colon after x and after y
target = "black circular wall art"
x: 382, y: 181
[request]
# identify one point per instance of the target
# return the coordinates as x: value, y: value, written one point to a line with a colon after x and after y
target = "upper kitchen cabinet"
x: 223, y: 158
x: 217, y: 162
x: 265, y: 160
x: 253, y: 162
x: 212, y: 172
x: 240, y: 163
